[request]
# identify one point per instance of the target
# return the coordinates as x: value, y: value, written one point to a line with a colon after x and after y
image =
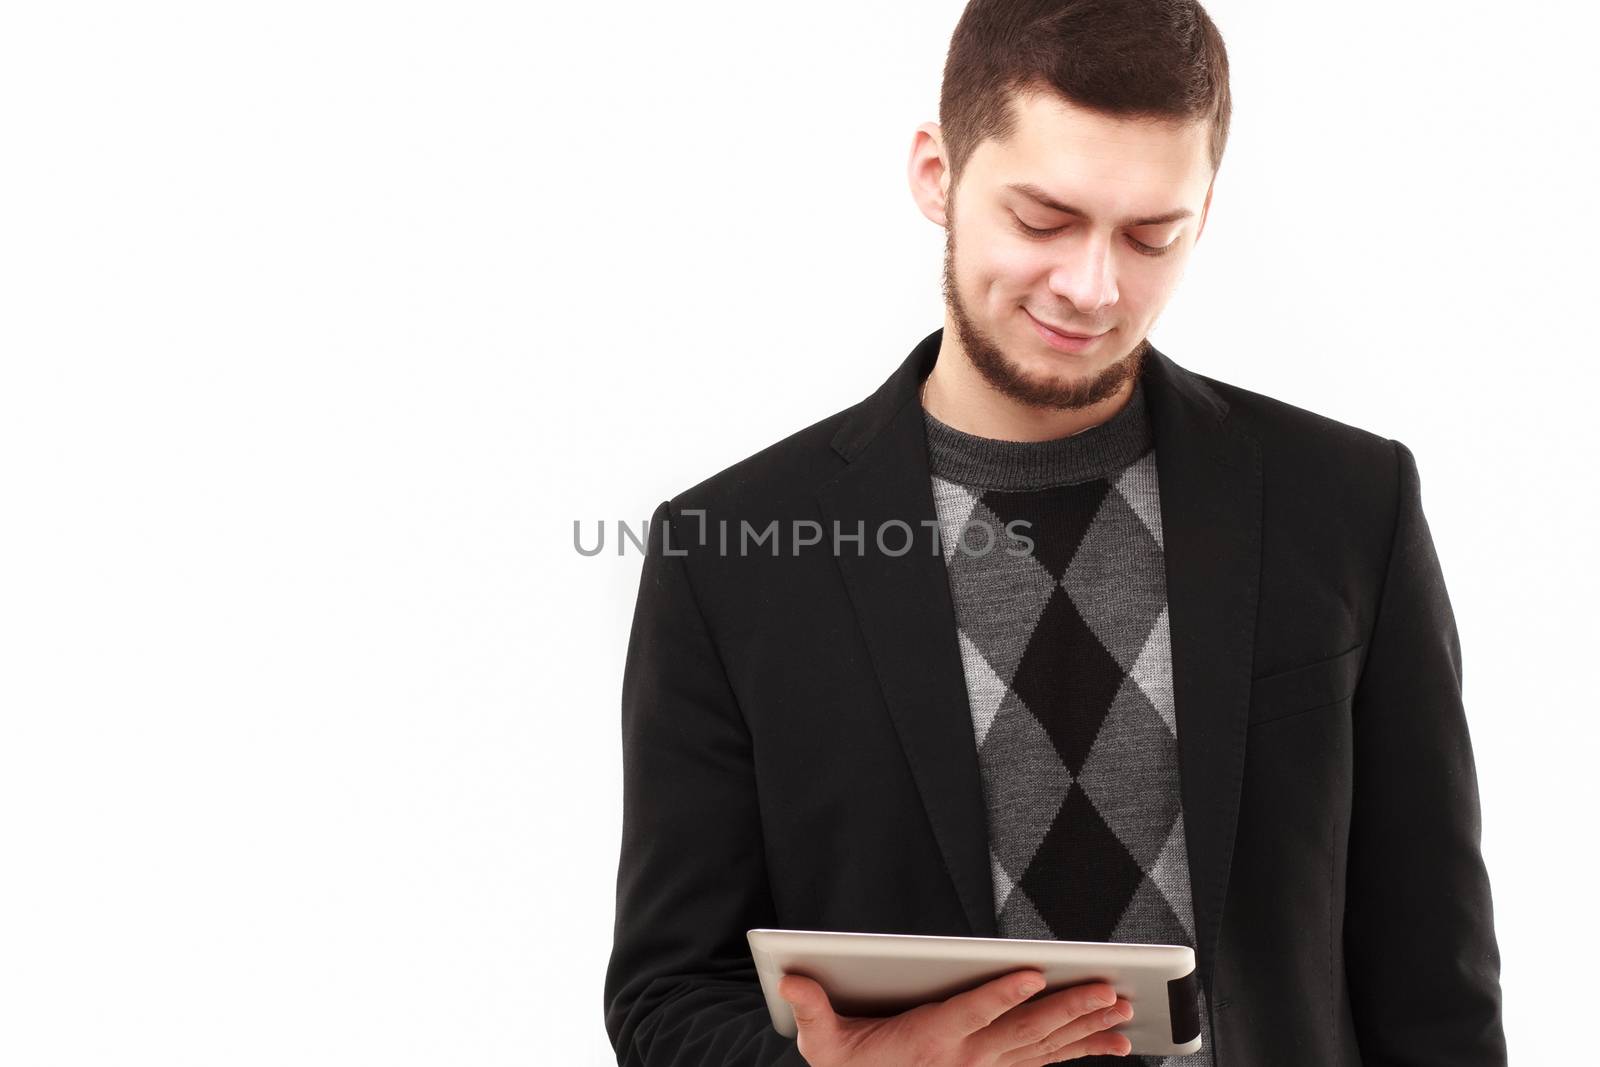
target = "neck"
x: 957, y: 395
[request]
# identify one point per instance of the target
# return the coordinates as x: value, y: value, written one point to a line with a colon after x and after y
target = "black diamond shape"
x: 1067, y: 679
x: 1058, y: 517
x: 1081, y: 878
x: 1168, y: 928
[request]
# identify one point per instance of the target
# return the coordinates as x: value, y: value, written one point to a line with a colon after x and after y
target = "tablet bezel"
x: 881, y: 974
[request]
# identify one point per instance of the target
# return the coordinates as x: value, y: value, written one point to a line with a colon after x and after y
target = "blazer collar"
x: 1209, y: 475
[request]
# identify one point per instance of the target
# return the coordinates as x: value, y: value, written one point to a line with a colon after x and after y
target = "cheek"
x: 1152, y: 287
x: 1007, y: 269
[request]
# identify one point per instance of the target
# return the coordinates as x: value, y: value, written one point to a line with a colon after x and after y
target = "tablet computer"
x: 885, y: 974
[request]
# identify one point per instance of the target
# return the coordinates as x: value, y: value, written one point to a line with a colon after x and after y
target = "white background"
x: 322, y: 323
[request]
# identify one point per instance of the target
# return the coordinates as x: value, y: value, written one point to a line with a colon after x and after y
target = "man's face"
x: 1103, y: 268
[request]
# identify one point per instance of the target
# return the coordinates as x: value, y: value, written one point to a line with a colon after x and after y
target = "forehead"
x: 1085, y: 155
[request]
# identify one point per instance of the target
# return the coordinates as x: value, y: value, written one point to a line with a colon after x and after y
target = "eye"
x: 1148, y: 250
x: 1139, y: 246
x: 1034, y: 232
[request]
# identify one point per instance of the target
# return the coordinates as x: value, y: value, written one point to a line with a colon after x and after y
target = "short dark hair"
x: 1151, y: 60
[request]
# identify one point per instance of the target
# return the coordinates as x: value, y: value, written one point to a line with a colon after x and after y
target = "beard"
x: 1006, y: 376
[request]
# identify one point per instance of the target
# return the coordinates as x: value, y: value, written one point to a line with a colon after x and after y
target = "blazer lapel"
x: 1210, y: 486
x: 906, y: 613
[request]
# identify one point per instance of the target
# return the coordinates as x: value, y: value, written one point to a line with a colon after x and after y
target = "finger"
x: 1033, y: 1023
x: 967, y: 1013
x: 1048, y: 1050
x: 1101, y: 1044
x: 813, y: 1014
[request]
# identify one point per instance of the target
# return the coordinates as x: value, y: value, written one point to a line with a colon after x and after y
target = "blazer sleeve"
x: 1420, y: 951
x: 681, y: 988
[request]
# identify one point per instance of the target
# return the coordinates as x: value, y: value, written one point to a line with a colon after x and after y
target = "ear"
x: 929, y: 173
x: 1205, y: 211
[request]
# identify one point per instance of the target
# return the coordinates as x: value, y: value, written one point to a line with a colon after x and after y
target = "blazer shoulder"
x: 1330, y: 491
x: 1297, y: 434
x: 790, y: 468
x: 1319, y: 473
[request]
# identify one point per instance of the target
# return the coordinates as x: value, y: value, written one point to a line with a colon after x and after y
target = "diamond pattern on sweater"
x: 1066, y: 651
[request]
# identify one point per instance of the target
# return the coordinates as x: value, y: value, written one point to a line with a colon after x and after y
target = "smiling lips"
x: 1069, y: 333
x: 1063, y: 340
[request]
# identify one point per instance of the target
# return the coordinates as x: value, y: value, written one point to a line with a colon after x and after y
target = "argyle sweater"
x: 1064, y: 645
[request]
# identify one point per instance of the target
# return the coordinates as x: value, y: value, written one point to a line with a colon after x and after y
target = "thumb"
x: 813, y: 1014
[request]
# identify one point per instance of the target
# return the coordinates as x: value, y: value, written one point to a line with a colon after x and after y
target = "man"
x: 1053, y: 637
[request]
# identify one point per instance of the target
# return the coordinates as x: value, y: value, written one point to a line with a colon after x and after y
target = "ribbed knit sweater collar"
x: 1098, y: 452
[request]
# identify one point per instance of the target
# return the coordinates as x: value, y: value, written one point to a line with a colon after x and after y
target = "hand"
x: 994, y: 1025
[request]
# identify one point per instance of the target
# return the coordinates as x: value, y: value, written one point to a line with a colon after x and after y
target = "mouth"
x: 1062, y: 339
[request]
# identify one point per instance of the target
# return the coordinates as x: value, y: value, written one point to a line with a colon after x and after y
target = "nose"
x: 1085, y: 274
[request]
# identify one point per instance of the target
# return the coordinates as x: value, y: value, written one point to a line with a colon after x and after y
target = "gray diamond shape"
x: 1117, y: 581
x: 1140, y: 487
x: 1024, y: 783
x: 998, y: 598
x: 1131, y: 775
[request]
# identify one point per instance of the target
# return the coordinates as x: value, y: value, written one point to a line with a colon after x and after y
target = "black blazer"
x: 798, y: 750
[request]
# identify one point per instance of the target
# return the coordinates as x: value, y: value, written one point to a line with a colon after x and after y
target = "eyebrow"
x: 1032, y: 191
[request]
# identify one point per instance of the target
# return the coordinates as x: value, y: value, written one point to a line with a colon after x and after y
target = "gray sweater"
x: 1054, y: 554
